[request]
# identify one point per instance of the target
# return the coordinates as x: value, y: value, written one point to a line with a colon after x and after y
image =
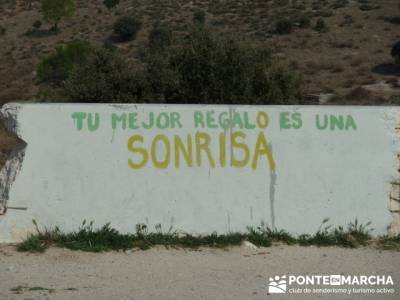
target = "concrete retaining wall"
x: 200, y: 168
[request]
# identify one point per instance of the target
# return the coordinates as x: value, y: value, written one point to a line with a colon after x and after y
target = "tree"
x: 110, y: 3
x: 303, y: 21
x: 56, y: 67
x: 160, y: 37
x: 127, y: 28
x: 37, y: 24
x: 199, y: 17
x: 205, y: 68
x: 321, y: 26
x: 54, y: 10
x: 396, y: 52
x: 199, y: 68
x: 103, y: 77
x: 283, y: 26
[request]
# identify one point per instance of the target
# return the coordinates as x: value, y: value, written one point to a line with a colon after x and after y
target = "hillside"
x: 354, y: 52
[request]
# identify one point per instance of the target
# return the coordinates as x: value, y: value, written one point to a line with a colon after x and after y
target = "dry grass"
x: 106, y: 238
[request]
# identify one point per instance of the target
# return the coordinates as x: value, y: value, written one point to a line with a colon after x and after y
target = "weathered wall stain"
x: 273, y: 179
x: 394, y: 198
x: 8, y: 115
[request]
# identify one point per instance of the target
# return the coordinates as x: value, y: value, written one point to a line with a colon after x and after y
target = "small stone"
x: 249, y: 245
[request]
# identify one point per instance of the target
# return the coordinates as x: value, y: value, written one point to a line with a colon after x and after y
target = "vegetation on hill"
x: 199, y: 67
x: 325, y: 41
x: 396, y: 52
x: 54, y: 10
x: 56, y: 67
x: 110, y: 3
x: 127, y: 28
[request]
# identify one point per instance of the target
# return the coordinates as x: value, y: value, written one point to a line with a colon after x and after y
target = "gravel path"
x: 236, y: 273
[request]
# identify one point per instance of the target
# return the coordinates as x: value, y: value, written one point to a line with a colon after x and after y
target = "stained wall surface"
x: 199, y: 169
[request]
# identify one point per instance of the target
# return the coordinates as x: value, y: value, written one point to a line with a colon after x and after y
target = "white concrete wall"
x: 304, y: 175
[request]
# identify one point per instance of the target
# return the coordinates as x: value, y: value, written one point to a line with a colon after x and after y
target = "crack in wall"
x: 394, y: 207
x: 394, y: 198
x: 8, y: 174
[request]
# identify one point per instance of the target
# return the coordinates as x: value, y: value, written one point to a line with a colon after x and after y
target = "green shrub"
x: 110, y: 3
x: 281, y: 3
x: 389, y: 242
x: 321, y: 26
x: 394, y: 100
x: 56, y: 67
x: 32, y: 243
x: 283, y: 26
x: 278, y: 85
x: 200, y: 68
x: 326, y: 13
x: 54, y: 10
x: 304, y: 21
x: 160, y: 37
x: 106, y: 238
x: 37, y: 24
x: 205, y: 68
x: 339, y: 4
x: 199, y: 17
x: 127, y: 28
x: 368, y: 7
x: 396, y: 52
x: 102, y: 77
x: 317, y: 5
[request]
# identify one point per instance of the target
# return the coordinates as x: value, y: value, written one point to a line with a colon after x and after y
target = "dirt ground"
x: 236, y: 273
